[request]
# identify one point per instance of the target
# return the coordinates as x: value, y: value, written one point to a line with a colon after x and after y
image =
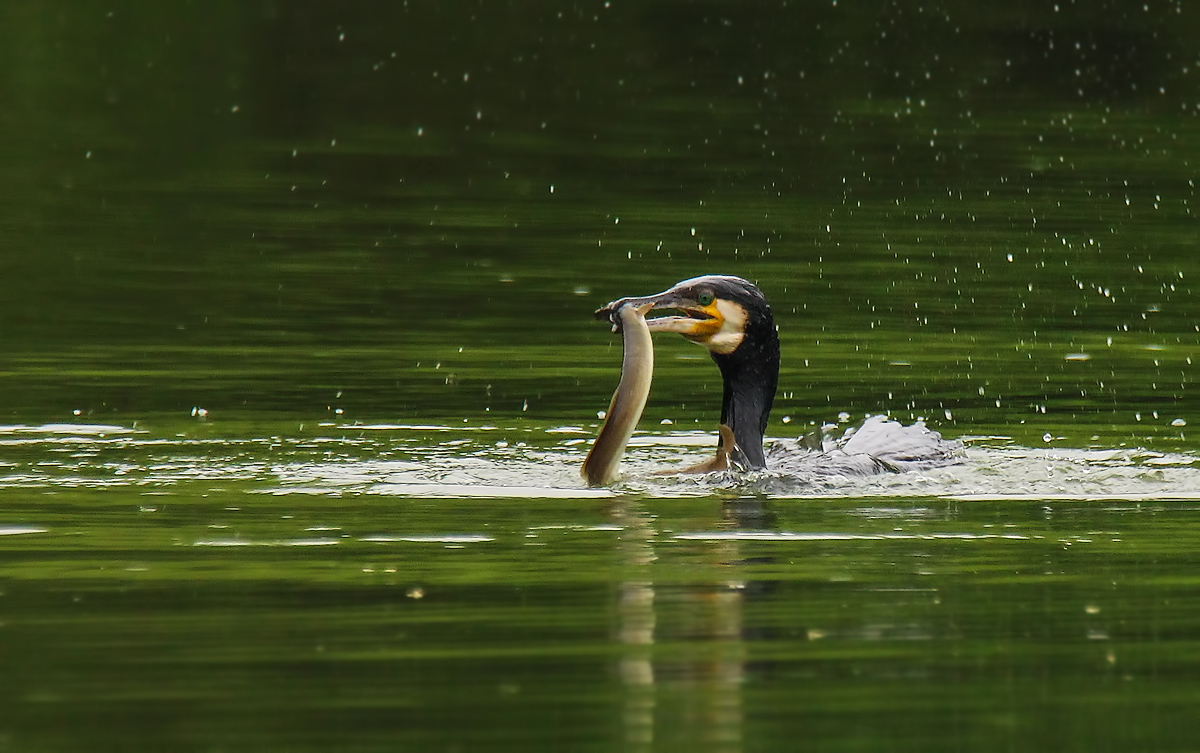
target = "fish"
x: 601, y: 466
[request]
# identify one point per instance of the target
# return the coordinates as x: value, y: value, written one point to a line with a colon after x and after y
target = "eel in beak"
x: 637, y: 369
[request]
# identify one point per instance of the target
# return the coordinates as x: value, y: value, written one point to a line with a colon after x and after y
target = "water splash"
x: 434, y: 461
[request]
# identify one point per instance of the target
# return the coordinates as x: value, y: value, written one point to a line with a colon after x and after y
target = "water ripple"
x: 453, y: 538
x: 833, y: 536
x: 21, y: 530
x: 521, y: 462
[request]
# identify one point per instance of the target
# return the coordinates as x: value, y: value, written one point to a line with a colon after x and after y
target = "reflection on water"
x: 693, y: 606
x: 303, y: 579
x: 696, y: 668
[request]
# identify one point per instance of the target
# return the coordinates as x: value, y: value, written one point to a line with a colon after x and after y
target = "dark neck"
x: 750, y: 374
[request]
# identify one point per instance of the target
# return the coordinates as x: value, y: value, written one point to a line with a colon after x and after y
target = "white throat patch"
x: 733, y: 328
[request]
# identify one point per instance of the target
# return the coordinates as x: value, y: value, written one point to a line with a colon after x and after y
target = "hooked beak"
x: 696, y: 322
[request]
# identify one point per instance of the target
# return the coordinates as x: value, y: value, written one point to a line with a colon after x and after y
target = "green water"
x: 299, y: 367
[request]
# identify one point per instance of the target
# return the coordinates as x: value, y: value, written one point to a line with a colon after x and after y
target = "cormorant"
x: 732, y: 319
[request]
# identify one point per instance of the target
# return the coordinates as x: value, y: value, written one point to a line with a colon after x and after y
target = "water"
x: 299, y: 370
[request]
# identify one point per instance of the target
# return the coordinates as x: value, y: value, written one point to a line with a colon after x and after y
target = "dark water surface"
x: 298, y: 371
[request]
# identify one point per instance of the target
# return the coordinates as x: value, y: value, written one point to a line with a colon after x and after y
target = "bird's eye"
x: 705, y: 299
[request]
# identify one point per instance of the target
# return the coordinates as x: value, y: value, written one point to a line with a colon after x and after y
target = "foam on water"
x: 401, y: 461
